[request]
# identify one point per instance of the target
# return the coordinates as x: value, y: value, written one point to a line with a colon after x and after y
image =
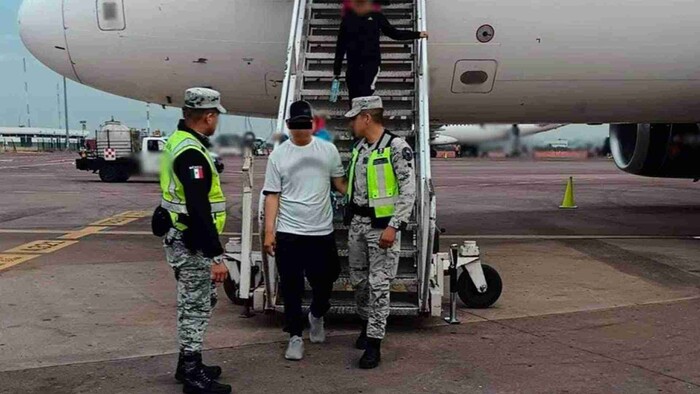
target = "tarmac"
x: 602, y: 299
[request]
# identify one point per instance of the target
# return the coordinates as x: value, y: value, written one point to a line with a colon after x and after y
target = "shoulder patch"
x: 196, y: 172
x: 407, y: 154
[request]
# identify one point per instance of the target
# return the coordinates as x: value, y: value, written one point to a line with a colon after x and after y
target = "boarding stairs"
x: 403, y: 86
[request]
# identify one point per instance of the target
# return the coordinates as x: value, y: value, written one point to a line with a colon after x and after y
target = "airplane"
x: 471, y: 136
x: 631, y: 63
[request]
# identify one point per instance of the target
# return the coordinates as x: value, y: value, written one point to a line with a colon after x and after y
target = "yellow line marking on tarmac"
x: 8, y: 260
x: 135, y: 214
x: 28, y: 251
x: 114, y: 221
x: 83, y: 232
x: 121, y: 219
x: 41, y: 246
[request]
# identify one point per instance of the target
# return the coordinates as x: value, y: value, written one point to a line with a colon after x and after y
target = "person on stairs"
x: 359, y: 38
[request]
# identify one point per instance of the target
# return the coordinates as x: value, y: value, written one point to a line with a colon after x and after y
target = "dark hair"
x: 196, y: 114
x: 377, y: 115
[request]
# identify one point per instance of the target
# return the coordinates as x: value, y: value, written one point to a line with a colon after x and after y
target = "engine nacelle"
x: 657, y: 150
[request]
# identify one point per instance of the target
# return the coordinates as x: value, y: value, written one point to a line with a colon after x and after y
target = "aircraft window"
x: 474, y: 77
x: 110, y: 15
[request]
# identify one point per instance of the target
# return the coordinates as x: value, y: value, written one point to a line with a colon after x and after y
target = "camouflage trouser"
x: 194, y: 291
x: 371, y: 271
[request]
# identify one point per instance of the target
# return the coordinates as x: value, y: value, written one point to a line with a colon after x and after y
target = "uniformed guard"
x: 381, y: 196
x: 196, y: 209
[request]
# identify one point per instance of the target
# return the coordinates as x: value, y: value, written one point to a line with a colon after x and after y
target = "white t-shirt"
x: 302, y: 175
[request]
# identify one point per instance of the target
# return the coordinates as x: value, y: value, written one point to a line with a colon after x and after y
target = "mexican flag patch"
x: 197, y: 172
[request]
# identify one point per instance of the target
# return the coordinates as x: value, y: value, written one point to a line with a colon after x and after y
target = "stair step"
x: 411, y: 226
x: 331, y: 56
x: 344, y: 92
x: 334, y: 38
x: 335, y: 22
x: 404, y: 253
x: 335, y: 6
x: 382, y: 74
x: 396, y: 308
x: 398, y: 285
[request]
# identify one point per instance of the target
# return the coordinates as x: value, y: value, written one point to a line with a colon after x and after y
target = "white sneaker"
x: 317, y: 333
x: 295, y: 349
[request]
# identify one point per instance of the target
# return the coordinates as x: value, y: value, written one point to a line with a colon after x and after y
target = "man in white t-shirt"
x: 299, y: 223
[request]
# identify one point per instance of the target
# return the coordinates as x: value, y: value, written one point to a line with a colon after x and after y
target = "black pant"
x: 360, y: 79
x: 315, y: 257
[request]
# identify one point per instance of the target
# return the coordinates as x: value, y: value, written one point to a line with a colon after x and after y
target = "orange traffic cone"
x: 569, y: 202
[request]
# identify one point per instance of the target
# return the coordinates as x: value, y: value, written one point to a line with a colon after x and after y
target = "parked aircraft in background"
x: 471, y: 136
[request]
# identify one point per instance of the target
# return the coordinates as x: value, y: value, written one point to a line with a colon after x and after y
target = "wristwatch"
x: 218, y: 259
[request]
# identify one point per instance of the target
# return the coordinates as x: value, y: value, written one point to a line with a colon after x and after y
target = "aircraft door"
x: 110, y: 15
x: 474, y: 76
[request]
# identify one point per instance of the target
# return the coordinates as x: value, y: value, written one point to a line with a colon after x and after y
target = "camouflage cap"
x: 203, y: 98
x: 360, y: 104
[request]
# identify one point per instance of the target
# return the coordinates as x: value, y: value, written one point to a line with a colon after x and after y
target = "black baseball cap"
x: 300, y: 111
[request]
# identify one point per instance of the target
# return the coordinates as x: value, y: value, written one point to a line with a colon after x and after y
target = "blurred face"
x: 360, y: 124
x: 361, y: 7
x: 301, y: 130
x: 210, y: 122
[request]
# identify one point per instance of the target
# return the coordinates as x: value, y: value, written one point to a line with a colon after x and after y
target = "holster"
x: 161, y: 222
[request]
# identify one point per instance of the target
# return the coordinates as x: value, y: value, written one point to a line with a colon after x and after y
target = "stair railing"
x: 426, y: 207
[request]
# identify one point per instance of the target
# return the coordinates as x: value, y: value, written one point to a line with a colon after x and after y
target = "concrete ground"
x: 602, y: 299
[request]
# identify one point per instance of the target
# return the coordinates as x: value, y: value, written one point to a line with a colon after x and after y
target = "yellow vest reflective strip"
x: 382, y: 187
x: 173, y: 198
x: 182, y: 208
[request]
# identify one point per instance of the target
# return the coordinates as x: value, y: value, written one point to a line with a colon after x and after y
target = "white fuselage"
x: 556, y: 61
x: 477, y: 134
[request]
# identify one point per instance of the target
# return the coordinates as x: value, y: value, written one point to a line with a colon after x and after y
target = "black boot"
x: 361, y: 342
x: 373, y: 354
x: 196, y: 381
x: 213, y: 372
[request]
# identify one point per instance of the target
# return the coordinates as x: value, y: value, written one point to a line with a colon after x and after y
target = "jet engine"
x: 657, y: 150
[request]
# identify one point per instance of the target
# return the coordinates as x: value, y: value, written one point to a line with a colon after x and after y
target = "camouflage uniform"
x: 371, y: 268
x: 195, y: 291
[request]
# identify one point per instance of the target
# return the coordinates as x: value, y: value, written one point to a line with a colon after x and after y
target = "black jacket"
x: 201, y: 234
x: 359, y: 38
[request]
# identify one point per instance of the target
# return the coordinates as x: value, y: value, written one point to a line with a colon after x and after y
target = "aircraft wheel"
x: 231, y: 289
x: 471, y: 297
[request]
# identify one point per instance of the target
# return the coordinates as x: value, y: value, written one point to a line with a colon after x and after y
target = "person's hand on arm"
x: 219, y: 271
x: 341, y: 185
x: 340, y: 182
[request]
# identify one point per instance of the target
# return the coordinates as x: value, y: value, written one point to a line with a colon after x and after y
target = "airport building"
x: 39, y: 138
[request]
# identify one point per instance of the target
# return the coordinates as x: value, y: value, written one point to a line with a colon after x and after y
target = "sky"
x: 95, y: 107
